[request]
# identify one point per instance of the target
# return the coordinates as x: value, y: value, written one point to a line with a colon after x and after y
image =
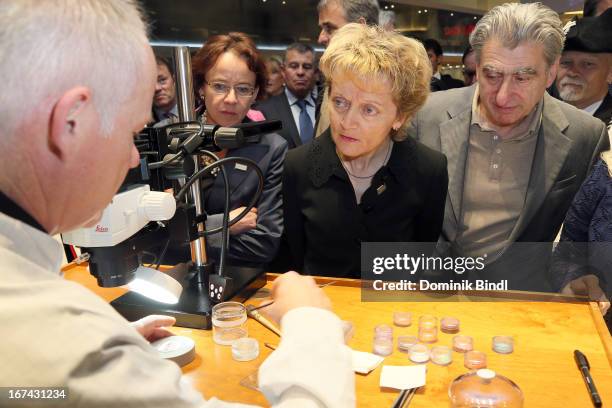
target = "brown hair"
x: 238, y: 43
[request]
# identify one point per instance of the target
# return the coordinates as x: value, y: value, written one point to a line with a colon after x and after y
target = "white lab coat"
x: 56, y: 333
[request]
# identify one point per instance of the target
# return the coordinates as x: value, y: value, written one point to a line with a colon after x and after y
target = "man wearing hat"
x: 585, y: 68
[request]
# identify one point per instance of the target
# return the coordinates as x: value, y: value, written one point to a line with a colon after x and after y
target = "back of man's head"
x: 386, y: 19
x: 356, y: 10
x: 49, y: 46
x: 513, y: 24
x: 433, y: 45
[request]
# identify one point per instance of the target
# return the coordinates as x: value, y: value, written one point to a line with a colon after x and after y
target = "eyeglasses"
x: 241, y: 91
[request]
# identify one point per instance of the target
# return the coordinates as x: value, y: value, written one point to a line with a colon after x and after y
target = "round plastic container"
x: 475, y: 360
x: 462, y: 344
x: 383, y: 330
x: 503, y: 344
x: 383, y: 346
x: 484, y: 389
x: 419, y: 353
x: 441, y: 355
x: 405, y: 342
x: 229, y: 323
x: 402, y: 319
x: 428, y: 334
x: 449, y: 325
x: 245, y: 349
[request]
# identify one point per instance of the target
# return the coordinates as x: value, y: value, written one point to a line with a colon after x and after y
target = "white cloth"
x: 57, y: 333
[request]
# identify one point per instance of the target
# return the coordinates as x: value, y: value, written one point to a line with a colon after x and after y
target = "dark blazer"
x: 604, y: 112
x: 569, y: 141
x: 277, y: 108
x: 259, y: 245
x: 325, y: 226
x: 445, y: 82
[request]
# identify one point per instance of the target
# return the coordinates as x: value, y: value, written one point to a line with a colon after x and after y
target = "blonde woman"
x: 275, y: 82
x: 582, y: 263
x: 362, y: 180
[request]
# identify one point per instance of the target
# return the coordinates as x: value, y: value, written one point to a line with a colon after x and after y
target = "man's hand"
x: 292, y: 290
x: 247, y: 223
x: 588, y: 285
x: 153, y: 327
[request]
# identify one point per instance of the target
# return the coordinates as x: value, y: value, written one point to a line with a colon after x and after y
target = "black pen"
x: 584, y: 367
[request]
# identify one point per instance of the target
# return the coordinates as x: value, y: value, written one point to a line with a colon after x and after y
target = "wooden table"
x: 545, y: 333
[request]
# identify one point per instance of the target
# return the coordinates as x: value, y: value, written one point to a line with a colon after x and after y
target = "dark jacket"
x: 586, y: 240
x: 325, y: 226
x: 604, y: 112
x: 277, y: 108
x: 445, y: 82
x: 259, y: 245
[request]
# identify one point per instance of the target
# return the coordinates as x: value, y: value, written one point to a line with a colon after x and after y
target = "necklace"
x: 366, y: 177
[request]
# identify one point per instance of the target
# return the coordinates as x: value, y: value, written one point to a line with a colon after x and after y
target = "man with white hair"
x: 516, y: 156
x: 79, y: 77
x: 585, y: 68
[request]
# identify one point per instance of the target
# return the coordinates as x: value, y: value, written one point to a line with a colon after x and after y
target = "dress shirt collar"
x: 32, y: 244
x: 10, y: 208
x: 591, y: 109
x: 292, y: 99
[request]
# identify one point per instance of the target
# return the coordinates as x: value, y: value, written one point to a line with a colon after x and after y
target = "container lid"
x: 484, y: 388
x: 179, y: 349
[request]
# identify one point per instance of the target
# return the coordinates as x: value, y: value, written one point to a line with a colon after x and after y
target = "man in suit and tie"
x: 516, y: 156
x: 296, y: 106
x: 165, y: 110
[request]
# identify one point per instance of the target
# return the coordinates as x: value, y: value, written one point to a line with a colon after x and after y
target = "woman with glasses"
x: 229, y: 74
x: 363, y: 180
